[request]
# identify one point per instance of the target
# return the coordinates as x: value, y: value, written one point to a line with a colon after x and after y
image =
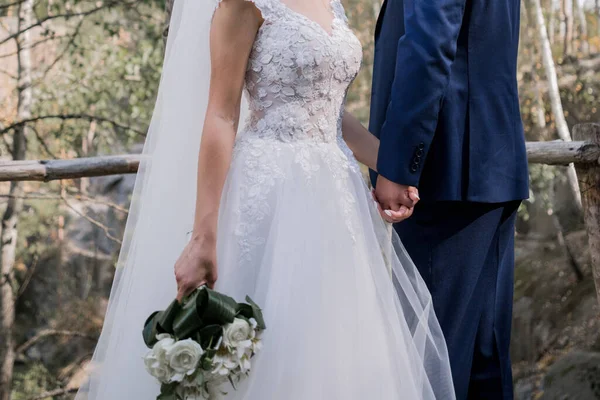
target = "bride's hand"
x: 196, y: 266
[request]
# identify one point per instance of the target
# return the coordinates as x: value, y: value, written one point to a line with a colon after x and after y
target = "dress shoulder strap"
x: 269, y: 9
x: 338, y: 10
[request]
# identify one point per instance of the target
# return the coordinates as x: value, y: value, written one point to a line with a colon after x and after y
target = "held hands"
x: 395, y: 202
x: 196, y: 266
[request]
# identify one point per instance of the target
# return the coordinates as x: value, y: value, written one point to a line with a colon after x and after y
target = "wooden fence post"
x: 589, y: 184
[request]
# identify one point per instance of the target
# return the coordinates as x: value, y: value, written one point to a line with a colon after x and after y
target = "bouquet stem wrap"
x: 200, y: 316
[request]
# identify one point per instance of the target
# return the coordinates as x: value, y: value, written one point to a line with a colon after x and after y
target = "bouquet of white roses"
x: 198, y: 345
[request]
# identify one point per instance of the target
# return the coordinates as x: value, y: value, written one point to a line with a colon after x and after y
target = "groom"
x: 445, y: 107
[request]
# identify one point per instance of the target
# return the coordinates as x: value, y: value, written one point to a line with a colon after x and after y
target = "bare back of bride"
x: 277, y: 209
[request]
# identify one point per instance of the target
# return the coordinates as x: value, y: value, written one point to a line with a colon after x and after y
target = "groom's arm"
x: 425, y: 55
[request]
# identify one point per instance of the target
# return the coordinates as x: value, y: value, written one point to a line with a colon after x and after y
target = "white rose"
x: 162, y: 336
x: 237, y: 332
x: 165, y: 341
x: 160, y: 371
x: 183, y: 356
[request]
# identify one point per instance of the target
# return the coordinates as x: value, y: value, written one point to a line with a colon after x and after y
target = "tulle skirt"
x: 348, y: 315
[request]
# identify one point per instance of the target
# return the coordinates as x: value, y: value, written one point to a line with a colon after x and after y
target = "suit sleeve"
x: 425, y: 54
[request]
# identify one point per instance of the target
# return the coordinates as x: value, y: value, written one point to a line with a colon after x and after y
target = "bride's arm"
x: 363, y: 144
x: 233, y: 31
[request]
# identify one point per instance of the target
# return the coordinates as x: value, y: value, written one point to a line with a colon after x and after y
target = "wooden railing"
x: 551, y: 153
x: 51, y: 170
x: 584, y: 152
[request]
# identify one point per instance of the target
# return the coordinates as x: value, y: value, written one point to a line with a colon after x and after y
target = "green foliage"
x: 95, y: 74
x: 168, y: 392
x: 37, y: 227
x: 30, y: 380
x: 106, y: 64
x: 109, y: 70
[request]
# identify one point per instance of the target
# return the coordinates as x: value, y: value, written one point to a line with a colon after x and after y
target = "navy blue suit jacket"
x: 445, y: 100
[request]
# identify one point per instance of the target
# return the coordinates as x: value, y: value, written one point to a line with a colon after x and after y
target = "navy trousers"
x: 465, y: 253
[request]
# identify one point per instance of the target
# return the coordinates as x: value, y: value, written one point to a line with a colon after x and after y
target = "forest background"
x: 78, y: 78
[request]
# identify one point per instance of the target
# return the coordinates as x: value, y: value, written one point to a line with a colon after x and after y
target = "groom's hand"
x: 396, y: 201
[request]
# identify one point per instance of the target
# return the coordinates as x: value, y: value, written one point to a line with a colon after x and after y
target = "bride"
x: 280, y: 213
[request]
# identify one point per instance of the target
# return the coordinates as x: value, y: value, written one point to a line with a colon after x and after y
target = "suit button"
x: 420, y: 153
x: 414, y: 168
x: 421, y: 146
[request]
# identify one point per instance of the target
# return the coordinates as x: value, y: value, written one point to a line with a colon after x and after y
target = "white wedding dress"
x: 348, y: 315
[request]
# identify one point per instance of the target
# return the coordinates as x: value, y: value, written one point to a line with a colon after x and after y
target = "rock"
x: 90, y: 251
x: 70, y: 284
x: 525, y: 390
x: 575, y: 376
x: 523, y: 342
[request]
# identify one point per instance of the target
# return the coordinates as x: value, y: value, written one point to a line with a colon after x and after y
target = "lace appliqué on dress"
x: 296, y: 83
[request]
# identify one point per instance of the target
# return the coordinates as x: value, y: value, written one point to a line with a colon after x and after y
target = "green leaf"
x: 257, y: 314
x: 206, y: 364
x: 168, y: 392
x: 167, y: 317
x: 231, y: 381
x: 245, y: 311
x: 200, y: 316
x: 204, y: 307
x: 170, y: 396
x: 150, y: 330
x: 160, y: 322
x: 210, y: 334
x: 216, y: 307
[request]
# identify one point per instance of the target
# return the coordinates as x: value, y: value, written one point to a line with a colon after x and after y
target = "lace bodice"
x: 296, y: 83
x: 298, y: 74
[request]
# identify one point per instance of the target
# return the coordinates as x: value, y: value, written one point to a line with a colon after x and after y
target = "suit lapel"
x: 380, y: 19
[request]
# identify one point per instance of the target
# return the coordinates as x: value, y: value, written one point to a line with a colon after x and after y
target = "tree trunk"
x: 552, y: 22
x: 540, y: 121
x: 590, y: 184
x: 598, y: 16
x: 562, y: 30
x: 555, y: 101
x: 10, y: 219
x: 583, y: 29
x: 567, y: 14
x: 540, y: 108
